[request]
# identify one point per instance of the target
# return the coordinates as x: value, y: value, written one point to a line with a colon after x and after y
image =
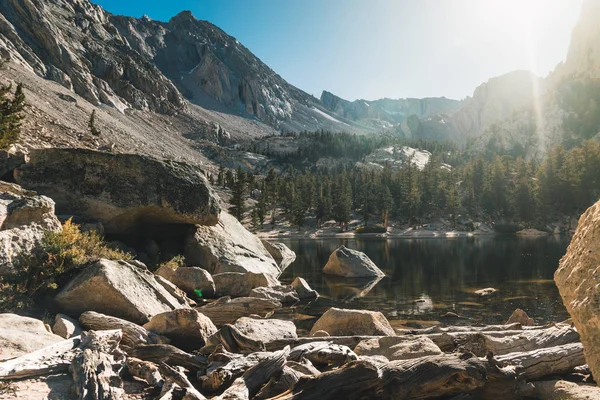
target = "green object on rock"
x: 198, y: 292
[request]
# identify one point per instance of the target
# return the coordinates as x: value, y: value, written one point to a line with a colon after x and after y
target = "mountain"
x: 161, y: 67
x: 388, y: 112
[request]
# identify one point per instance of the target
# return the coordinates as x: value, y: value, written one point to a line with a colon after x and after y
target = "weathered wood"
x: 481, y: 344
x: 96, y: 371
x: 227, y: 310
x: 173, y: 375
x: 450, y: 341
x: 232, y: 340
x: 323, y: 353
x: 169, y: 354
x: 486, y: 328
x: 248, y: 385
x: 133, y: 334
x: 279, y: 384
x: 145, y: 370
x: 539, y: 363
x: 51, y: 359
x: 420, y: 378
x: 349, y: 341
x: 225, y: 367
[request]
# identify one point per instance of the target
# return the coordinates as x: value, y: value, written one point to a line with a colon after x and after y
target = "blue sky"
x: 371, y: 49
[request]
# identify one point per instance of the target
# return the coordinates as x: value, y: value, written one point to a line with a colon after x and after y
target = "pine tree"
x: 11, y: 115
x: 238, y: 196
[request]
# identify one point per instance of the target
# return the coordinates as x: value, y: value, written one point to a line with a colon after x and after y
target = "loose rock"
x: 20, y: 335
x: 238, y: 284
x: 282, y: 254
x: 343, y: 322
x: 521, y: 317
x: 398, y: 347
x: 187, y: 328
x: 282, y: 293
x: 304, y: 290
x: 189, y: 279
x: 65, y: 327
x: 351, y: 264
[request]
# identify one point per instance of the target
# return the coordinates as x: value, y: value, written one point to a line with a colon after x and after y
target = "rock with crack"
x: 126, y: 192
x: 344, y: 322
x: 187, y: 328
x: 282, y: 254
x: 189, y: 279
x: 20, y: 335
x: 24, y: 218
x: 118, y: 288
x: 229, y: 247
x: 350, y: 263
x: 239, y: 284
x: 398, y: 347
x: 578, y: 281
x: 285, y: 294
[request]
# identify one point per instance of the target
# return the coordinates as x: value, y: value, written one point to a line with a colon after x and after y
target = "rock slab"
x: 20, y: 335
x: 189, y: 279
x: 578, y: 281
x: 187, y: 328
x: 344, y: 322
x: 398, y: 347
x: 350, y: 263
x: 119, y: 289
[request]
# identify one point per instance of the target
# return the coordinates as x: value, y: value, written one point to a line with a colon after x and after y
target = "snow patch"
x: 329, y: 117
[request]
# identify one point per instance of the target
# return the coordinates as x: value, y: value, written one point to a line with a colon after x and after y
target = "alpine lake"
x: 432, y: 281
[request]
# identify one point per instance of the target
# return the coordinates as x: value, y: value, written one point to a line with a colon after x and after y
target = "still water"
x: 427, y: 278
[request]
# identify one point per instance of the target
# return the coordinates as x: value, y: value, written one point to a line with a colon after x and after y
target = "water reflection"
x: 347, y: 289
x: 429, y: 277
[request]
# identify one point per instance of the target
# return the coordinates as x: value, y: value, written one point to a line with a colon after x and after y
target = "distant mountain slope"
x: 154, y: 66
x: 388, y: 112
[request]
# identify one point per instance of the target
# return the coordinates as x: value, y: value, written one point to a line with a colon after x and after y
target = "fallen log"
x: 133, y: 334
x: 481, y: 344
x: 323, y: 353
x: 96, y: 370
x: 145, y: 370
x: 170, y: 355
x: 279, y: 384
x: 349, y: 341
x: 248, y: 385
x: 49, y: 360
x: 420, y: 378
x: 487, y: 328
x: 233, y: 341
x: 227, y: 310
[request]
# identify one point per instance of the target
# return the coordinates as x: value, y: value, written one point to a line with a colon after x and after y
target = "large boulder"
x: 20, y: 335
x: 189, y: 279
x: 343, y: 322
x: 266, y: 330
x: 117, y: 288
x: 123, y: 191
x: 24, y: 219
x: 238, y: 284
x: 187, y: 328
x: 578, y: 282
x: 350, y: 263
x: 11, y: 159
x: 398, y: 347
x: 282, y: 254
x: 229, y: 247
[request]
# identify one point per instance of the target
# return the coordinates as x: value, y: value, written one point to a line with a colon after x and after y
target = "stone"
x: 578, y: 282
x: 239, y: 284
x: 521, y: 317
x: 564, y: 390
x: 285, y: 294
x: 320, y: 334
x: 126, y: 192
x: 187, y: 328
x: 486, y: 292
x: 282, y: 254
x: 175, y: 292
x: 398, y: 347
x: 229, y: 247
x: 10, y: 159
x: 24, y: 219
x: 266, y: 330
x: 189, y: 279
x: 304, y: 290
x: 116, y: 288
x: 20, y: 335
x: 65, y: 326
x: 227, y: 310
x: 344, y: 322
x: 350, y: 263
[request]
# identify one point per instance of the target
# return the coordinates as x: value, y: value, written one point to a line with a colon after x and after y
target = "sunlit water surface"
x: 427, y: 278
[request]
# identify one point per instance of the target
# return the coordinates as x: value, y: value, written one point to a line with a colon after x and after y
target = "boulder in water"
x: 350, y: 263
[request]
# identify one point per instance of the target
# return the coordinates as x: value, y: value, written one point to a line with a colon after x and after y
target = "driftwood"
x: 96, y: 370
x: 420, y: 378
x: 488, y: 328
x: 133, y: 334
x: 178, y: 378
x: 279, y: 384
x: 233, y: 341
x: 227, y: 310
x: 323, y: 353
x: 349, y: 341
x: 481, y: 344
x: 225, y: 367
x: 49, y: 360
x: 248, y: 385
x: 145, y: 370
x: 170, y: 355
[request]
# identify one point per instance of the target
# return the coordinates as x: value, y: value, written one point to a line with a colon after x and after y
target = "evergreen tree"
x: 11, y: 115
x: 92, y: 124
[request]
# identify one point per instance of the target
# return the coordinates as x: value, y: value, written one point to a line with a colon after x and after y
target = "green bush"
x: 63, y: 253
x: 371, y: 229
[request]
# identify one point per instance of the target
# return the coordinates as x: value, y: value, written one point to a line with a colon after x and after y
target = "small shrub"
x: 371, y: 229
x: 175, y: 262
x: 63, y: 253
